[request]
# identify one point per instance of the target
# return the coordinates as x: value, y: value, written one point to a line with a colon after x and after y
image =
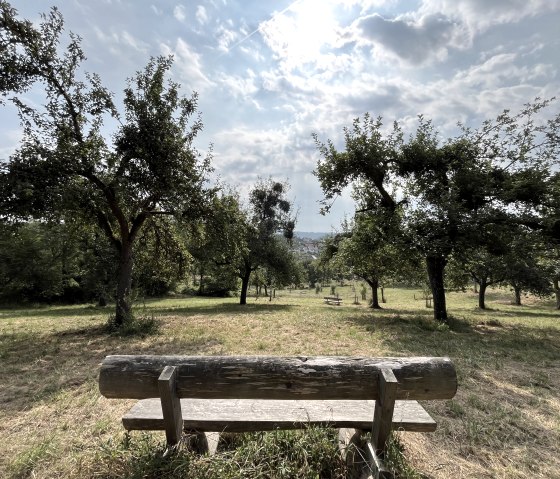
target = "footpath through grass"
x: 503, y: 423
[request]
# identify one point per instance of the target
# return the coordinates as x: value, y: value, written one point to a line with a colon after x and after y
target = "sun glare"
x: 299, y: 33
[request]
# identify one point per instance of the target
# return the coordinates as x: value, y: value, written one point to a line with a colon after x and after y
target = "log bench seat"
x: 333, y: 300
x: 208, y: 395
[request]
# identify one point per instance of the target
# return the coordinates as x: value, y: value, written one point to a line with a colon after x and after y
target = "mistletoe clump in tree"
x: 65, y: 168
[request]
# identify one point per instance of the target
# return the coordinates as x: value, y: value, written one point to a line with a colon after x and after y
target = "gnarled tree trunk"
x: 374, y: 285
x: 244, y: 286
x: 482, y: 293
x: 124, y: 286
x: 436, y: 266
x: 517, y: 291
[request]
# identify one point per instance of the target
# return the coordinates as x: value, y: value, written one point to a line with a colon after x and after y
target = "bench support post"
x: 382, y: 423
x: 384, y: 407
x: 170, y: 405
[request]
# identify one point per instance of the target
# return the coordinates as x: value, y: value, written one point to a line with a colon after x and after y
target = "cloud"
x: 179, y: 13
x: 116, y: 40
x: 226, y: 37
x: 201, y: 15
x: 298, y: 34
x: 243, y: 88
x: 415, y: 41
x: 156, y: 10
x: 189, y: 65
x: 479, y: 15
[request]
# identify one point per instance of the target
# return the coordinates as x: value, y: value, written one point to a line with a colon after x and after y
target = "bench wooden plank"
x: 241, y: 415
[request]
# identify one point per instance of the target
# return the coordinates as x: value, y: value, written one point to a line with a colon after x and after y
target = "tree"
x: 498, y: 174
x: 66, y: 168
x: 216, y: 242
x: 525, y: 270
x: 269, y: 214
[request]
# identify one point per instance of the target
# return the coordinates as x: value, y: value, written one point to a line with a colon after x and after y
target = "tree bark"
x: 517, y: 291
x: 481, y: 294
x: 244, y: 286
x: 374, y: 284
x: 123, y: 311
x: 436, y: 267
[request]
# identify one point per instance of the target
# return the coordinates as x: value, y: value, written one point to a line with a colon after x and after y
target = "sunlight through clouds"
x: 297, y: 35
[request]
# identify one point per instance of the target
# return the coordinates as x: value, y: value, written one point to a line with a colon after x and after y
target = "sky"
x: 270, y: 73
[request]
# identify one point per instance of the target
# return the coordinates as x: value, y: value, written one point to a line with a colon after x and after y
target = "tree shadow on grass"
x: 40, y: 366
x: 56, y: 311
x: 408, y: 333
x: 221, y: 308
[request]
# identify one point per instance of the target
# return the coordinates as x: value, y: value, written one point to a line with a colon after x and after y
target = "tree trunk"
x: 200, y: 286
x: 517, y: 291
x: 123, y: 311
x: 374, y: 284
x: 436, y: 267
x: 475, y: 284
x: 383, y: 300
x: 244, y: 286
x: 556, y: 282
x: 481, y: 294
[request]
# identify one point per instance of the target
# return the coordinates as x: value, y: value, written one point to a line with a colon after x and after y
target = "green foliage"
x: 499, y: 174
x: 269, y: 213
x: 65, y: 168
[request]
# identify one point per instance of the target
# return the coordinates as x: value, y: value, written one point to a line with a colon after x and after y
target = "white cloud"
x: 201, y: 15
x: 241, y: 87
x: 189, y: 65
x: 179, y: 13
x: 226, y: 37
x: 479, y: 15
x: 156, y: 10
x: 118, y: 39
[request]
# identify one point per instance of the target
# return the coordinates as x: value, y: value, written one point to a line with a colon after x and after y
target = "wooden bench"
x: 333, y: 300
x: 210, y: 395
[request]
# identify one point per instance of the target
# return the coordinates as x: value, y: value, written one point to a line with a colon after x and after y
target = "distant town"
x: 308, y: 244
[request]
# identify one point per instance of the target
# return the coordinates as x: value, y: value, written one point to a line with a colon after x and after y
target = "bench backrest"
x: 265, y: 377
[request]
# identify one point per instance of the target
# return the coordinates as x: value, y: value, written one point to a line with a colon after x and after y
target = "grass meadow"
x: 504, y: 421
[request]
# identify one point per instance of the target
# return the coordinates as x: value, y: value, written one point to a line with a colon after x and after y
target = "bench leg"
x: 382, y: 423
x: 203, y: 442
x: 384, y: 407
x: 350, y: 445
x: 170, y: 406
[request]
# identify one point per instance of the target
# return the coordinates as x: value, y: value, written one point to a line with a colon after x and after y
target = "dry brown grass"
x: 503, y: 423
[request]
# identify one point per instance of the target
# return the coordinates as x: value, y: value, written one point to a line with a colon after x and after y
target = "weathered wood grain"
x: 245, y: 377
x: 384, y: 406
x: 241, y: 415
x: 170, y: 405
